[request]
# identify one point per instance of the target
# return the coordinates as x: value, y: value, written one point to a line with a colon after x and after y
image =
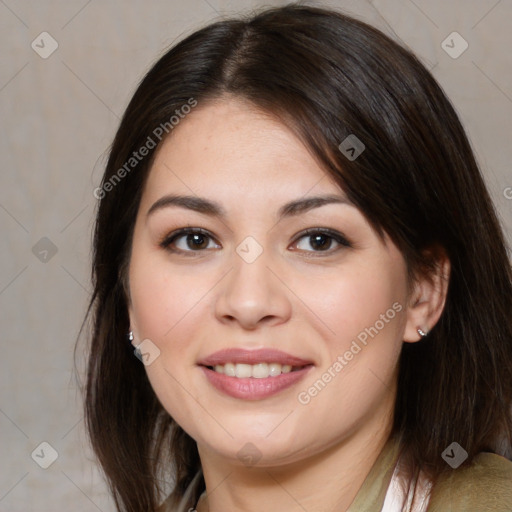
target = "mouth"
x: 259, y: 363
x: 253, y: 374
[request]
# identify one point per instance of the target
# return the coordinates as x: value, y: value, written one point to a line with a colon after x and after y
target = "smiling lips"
x: 253, y: 374
x: 243, y: 356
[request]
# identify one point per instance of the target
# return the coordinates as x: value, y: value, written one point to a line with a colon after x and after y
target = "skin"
x: 294, y: 297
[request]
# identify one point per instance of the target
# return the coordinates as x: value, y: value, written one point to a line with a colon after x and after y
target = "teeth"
x: 258, y: 371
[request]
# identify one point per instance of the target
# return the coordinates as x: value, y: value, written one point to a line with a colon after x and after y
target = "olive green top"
x: 483, y: 486
x: 372, y: 493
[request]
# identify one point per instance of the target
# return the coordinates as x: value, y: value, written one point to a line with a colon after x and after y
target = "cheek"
x: 160, y: 298
x: 361, y: 298
x: 365, y: 315
x: 170, y: 306
x: 166, y: 308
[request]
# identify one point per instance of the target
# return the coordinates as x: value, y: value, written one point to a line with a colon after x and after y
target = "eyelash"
x: 172, y: 237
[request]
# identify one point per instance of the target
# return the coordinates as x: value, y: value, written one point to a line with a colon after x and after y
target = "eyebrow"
x: 214, y: 209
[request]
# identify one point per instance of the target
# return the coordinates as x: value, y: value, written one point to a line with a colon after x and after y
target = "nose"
x: 253, y: 294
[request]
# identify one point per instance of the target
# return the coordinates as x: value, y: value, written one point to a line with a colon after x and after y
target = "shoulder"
x: 483, y: 486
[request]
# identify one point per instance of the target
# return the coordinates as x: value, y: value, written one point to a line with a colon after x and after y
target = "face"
x: 313, y: 281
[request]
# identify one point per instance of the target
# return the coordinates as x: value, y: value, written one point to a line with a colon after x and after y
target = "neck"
x: 328, y: 480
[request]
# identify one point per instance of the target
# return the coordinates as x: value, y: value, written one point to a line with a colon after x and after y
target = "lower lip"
x: 251, y: 388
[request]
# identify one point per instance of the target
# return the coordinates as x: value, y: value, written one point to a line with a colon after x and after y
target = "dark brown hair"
x: 326, y: 76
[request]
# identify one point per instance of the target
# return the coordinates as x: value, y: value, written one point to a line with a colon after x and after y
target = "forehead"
x: 231, y: 150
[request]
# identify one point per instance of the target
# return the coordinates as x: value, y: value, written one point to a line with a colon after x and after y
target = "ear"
x: 428, y: 296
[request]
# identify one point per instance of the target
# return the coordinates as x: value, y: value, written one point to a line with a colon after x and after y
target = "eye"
x: 192, y: 240
x: 322, y: 239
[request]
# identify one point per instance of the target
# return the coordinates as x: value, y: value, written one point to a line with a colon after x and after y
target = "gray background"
x: 59, y: 115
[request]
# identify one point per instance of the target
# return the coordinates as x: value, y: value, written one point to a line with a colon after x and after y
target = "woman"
x: 295, y: 237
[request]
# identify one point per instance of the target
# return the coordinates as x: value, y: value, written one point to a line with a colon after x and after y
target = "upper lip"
x: 243, y: 356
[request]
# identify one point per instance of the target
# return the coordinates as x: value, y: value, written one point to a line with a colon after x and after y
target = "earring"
x: 422, y: 333
x: 130, y: 336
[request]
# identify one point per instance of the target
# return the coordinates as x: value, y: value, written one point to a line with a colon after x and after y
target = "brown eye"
x: 321, y: 240
x: 187, y: 240
x: 196, y: 241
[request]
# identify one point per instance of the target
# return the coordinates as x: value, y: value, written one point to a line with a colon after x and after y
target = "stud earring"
x: 422, y: 333
x: 130, y: 336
